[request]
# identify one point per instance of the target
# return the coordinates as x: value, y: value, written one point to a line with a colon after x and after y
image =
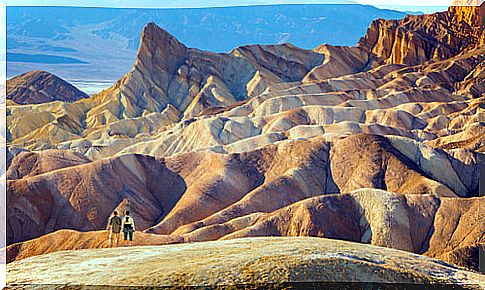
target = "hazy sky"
x: 410, y: 5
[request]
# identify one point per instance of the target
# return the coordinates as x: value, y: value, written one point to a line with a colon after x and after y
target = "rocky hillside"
x: 208, y: 196
x: 38, y: 87
x: 168, y: 82
x: 378, y: 144
x: 254, y: 261
x: 419, y: 38
x: 167, y: 72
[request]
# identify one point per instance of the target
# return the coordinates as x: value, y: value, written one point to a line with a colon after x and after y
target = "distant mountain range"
x: 100, y: 43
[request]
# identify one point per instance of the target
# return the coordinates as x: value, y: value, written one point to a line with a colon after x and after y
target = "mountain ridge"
x: 114, y: 33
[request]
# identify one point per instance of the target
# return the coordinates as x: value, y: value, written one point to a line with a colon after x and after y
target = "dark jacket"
x: 115, y: 224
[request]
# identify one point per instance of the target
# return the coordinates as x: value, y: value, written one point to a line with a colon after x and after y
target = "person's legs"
x: 125, y: 235
x: 131, y: 236
x: 117, y: 238
x: 111, y: 239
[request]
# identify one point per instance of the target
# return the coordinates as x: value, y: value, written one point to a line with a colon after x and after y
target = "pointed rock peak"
x: 153, y: 35
x: 158, y: 46
x: 153, y: 31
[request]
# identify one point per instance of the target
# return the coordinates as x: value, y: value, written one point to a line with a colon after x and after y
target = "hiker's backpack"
x: 128, y: 223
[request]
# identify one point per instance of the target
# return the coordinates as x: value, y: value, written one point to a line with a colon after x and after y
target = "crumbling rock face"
x: 419, y: 38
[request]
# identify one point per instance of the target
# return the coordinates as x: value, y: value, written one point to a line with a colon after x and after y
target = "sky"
x: 426, y: 6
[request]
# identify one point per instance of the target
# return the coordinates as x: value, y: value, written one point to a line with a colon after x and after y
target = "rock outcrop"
x: 168, y: 81
x: 36, y: 87
x: 191, y: 80
x: 419, y: 38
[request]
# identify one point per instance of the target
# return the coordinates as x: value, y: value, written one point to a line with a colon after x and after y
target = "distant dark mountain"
x: 101, y: 43
x: 36, y: 87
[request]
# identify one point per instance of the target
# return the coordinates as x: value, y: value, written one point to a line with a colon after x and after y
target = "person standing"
x: 128, y: 226
x: 114, y: 229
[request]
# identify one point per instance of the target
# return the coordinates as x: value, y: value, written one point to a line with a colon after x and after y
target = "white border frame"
x: 3, y: 155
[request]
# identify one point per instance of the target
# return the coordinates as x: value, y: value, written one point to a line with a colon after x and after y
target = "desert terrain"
x: 293, y: 162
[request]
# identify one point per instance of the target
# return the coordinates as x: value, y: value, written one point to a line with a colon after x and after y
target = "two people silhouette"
x: 116, y: 224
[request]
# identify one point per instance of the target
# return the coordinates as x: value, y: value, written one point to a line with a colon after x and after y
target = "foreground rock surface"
x: 64, y: 240
x: 255, y: 260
